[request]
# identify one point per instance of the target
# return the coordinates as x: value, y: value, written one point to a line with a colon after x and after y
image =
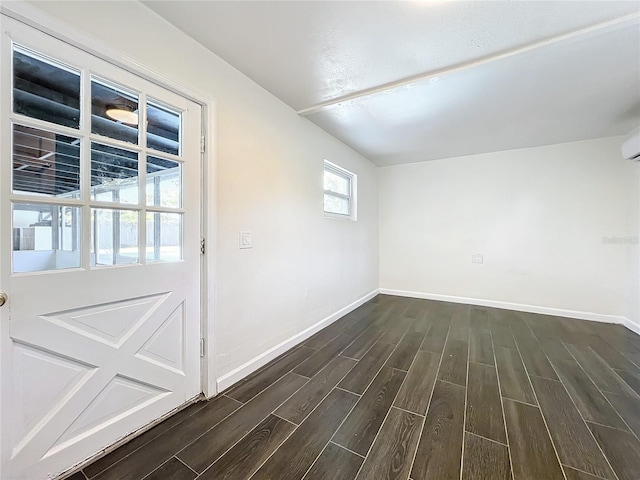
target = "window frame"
x: 352, y: 178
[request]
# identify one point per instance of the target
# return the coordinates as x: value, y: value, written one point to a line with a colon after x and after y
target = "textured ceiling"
x: 412, y: 81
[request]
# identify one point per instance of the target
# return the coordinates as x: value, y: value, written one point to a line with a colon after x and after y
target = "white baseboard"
x: 595, y: 317
x: 634, y: 327
x: 234, y: 376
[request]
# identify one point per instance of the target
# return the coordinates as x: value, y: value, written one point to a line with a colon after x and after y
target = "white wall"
x: 269, y: 183
x: 633, y: 295
x: 539, y: 216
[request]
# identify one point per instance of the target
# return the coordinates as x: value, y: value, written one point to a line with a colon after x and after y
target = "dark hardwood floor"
x: 404, y: 388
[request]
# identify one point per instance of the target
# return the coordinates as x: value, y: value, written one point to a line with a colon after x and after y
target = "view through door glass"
x: 46, y: 164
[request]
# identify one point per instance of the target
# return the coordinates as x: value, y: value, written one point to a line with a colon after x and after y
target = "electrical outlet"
x: 477, y: 258
x: 245, y: 240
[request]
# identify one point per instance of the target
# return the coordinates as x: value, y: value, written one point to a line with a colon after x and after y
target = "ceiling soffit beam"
x: 602, y: 27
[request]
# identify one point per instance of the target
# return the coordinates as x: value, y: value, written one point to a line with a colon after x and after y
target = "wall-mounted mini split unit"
x: 631, y: 146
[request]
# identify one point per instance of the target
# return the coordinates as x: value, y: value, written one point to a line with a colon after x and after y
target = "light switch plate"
x: 245, y: 240
x: 477, y: 258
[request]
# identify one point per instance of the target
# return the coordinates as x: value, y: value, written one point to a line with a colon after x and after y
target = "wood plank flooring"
x: 403, y: 388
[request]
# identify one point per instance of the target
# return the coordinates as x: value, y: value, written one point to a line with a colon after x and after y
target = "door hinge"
x: 202, y: 246
x: 202, y: 347
x: 202, y: 144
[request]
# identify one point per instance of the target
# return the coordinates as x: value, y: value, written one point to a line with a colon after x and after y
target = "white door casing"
x: 91, y: 354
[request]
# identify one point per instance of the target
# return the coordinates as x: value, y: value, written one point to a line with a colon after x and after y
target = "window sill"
x: 338, y: 216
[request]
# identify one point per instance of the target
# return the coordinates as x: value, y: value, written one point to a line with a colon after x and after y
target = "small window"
x: 339, y: 191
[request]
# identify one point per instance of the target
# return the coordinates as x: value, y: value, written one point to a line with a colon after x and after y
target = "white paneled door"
x: 99, y: 253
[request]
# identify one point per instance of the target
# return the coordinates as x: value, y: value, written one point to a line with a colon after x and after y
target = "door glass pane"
x: 45, y: 163
x: 114, y: 237
x: 114, y: 112
x: 164, y: 183
x: 164, y: 237
x: 333, y: 204
x: 336, y: 183
x: 114, y: 174
x: 45, y: 237
x: 45, y: 90
x: 163, y: 129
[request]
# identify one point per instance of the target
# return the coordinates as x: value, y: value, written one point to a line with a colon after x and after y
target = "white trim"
x: 558, y: 312
x: 234, y: 376
x: 40, y: 20
x: 633, y: 326
x: 210, y: 229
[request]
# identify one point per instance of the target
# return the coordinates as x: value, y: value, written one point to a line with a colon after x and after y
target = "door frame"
x: 39, y: 20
